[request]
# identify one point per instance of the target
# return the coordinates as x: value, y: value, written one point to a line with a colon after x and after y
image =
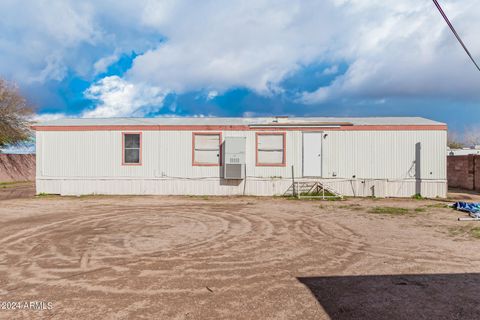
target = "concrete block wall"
x: 464, y: 172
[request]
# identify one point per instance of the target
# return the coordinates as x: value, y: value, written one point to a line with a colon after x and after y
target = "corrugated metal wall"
x: 384, y: 154
x: 79, y: 162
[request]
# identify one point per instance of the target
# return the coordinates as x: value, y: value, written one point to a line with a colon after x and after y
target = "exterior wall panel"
x: 354, y: 162
x: 384, y: 154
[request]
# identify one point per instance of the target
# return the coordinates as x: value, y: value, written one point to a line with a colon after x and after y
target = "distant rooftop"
x: 166, y: 121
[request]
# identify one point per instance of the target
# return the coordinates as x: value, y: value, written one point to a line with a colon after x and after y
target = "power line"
x: 455, y: 32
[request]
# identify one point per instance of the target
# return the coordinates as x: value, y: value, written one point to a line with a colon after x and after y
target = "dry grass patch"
x: 466, y: 230
x: 475, y: 232
x: 353, y: 206
x: 13, y: 184
x: 389, y: 210
x: 437, y: 205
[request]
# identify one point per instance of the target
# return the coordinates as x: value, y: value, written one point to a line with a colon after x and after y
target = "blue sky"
x: 243, y: 58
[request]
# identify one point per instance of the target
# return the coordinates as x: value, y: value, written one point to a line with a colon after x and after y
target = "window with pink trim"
x: 206, y: 149
x: 270, y: 148
x: 132, y: 148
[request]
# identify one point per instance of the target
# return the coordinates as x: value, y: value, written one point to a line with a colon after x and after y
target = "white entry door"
x: 312, y: 154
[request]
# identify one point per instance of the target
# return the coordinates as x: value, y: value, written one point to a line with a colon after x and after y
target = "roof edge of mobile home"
x: 253, y: 123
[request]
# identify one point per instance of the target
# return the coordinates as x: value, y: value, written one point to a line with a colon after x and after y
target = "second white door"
x: 312, y: 154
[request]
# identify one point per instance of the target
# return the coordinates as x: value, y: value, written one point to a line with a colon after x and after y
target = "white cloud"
x: 216, y: 46
x: 405, y: 49
x: 212, y: 95
x: 249, y: 114
x: 318, y: 96
x: 330, y: 70
x: 47, y: 117
x: 117, y: 97
x: 392, y: 48
x: 103, y: 63
x: 38, y: 38
x: 54, y: 69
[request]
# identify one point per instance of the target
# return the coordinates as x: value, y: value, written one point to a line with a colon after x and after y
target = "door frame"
x: 303, y: 154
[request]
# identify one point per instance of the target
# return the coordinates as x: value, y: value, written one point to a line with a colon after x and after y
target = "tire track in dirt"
x: 195, y: 258
x: 226, y: 242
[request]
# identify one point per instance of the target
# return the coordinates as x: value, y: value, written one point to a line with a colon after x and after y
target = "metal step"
x: 312, y: 189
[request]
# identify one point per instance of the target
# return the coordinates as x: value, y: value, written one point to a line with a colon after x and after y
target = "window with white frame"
x: 132, y: 148
x: 206, y: 149
x: 271, y: 149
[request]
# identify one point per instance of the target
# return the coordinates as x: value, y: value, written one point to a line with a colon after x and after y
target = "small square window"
x: 132, y: 148
x: 271, y: 149
x: 206, y: 149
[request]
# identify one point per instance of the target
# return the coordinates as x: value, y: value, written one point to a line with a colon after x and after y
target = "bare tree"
x: 14, y: 115
x: 472, y: 136
x: 454, y: 141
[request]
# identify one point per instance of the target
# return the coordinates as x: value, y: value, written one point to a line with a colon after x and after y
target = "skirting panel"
x: 254, y: 187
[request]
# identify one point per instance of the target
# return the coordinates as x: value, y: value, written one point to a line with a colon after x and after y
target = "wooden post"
x: 293, y: 182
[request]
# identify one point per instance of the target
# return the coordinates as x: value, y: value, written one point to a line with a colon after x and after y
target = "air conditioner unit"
x: 234, y: 158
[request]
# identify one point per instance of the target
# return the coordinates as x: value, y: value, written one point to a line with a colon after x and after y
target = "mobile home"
x: 382, y: 157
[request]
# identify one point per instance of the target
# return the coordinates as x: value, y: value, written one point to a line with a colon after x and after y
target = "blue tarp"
x: 473, y: 208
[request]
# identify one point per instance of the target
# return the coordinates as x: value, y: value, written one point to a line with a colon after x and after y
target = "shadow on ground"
x: 426, y: 296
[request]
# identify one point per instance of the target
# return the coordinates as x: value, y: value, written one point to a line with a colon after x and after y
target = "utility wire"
x: 455, y: 32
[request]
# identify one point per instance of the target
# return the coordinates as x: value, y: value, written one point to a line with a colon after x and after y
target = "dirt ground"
x: 237, y: 258
x: 15, y: 190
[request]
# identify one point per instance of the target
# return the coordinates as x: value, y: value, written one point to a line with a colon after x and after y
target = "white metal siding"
x: 384, y: 154
x: 164, y: 153
x: 78, y: 162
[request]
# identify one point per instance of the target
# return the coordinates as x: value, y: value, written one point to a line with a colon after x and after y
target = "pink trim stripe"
x: 239, y: 128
